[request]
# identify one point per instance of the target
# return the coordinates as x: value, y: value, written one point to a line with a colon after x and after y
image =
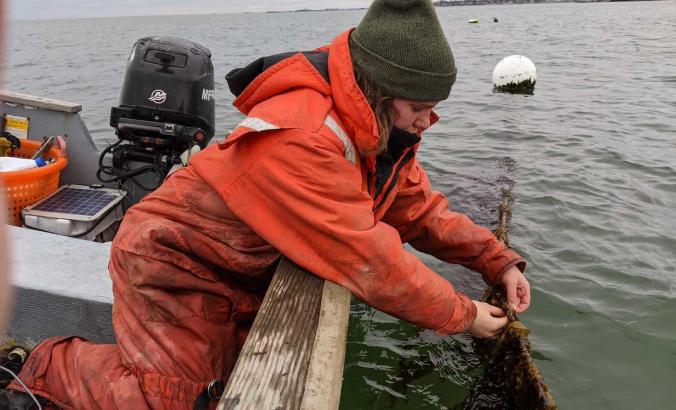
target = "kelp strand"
x: 510, y: 372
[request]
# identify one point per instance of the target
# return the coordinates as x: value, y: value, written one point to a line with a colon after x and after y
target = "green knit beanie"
x: 400, y: 47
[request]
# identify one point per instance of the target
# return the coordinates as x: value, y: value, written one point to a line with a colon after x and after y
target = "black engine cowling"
x: 166, y: 108
x: 168, y: 80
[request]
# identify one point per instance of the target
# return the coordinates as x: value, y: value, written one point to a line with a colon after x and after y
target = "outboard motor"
x: 166, y: 108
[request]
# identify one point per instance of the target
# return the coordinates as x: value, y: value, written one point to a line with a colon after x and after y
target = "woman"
x: 322, y: 170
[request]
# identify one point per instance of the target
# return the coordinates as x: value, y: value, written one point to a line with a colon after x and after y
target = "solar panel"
x: 79, y: 211
x: 75, y: 201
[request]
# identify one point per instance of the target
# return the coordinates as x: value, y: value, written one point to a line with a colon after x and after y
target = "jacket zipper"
x: 407, y: 157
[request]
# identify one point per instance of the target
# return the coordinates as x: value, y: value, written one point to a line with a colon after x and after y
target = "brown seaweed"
x: 523, y: 87
x: 511, y: 378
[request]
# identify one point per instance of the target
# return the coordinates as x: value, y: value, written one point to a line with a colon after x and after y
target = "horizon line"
x: 187, y: 14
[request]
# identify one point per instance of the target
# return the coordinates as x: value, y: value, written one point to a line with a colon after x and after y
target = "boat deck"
x: 61, y: 286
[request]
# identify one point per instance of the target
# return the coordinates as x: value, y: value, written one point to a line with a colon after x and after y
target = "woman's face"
x: 412, y: 116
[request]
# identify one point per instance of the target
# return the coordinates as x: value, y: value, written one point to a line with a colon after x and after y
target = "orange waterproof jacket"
x: 291, y: 171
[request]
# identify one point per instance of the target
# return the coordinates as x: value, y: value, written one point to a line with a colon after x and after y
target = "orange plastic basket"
x: 26, y: 187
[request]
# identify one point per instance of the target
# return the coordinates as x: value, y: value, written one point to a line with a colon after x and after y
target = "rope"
x: 511, y: 373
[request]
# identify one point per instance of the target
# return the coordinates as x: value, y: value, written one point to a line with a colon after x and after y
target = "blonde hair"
x: 382, y: 109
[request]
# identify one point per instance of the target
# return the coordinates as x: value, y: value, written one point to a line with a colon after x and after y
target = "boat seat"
x: 61, y: 287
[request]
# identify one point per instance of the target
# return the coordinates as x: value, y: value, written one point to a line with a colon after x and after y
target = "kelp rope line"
x: 511, y: 373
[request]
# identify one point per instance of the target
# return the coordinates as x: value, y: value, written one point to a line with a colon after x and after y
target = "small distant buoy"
x: 474, y: 21
x: 514, y: 74
x: 495, y: 19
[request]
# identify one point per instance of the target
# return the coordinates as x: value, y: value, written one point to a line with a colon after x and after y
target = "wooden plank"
x: 325, y: 374
x: 39, y: 102
x: 272, y: 366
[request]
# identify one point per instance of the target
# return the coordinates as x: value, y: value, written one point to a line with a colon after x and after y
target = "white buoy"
x: 514, y: 74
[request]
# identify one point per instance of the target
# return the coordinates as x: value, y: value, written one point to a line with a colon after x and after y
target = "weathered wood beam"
x: 39, y: 102
x: 293, y: 357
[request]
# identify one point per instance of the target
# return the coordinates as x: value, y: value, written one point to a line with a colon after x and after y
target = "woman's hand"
x: 489, y: 321
x: 517, y: 288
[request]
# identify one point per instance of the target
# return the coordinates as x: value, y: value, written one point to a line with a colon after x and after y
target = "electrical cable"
x: 22, y: 385
x: 118, y: 174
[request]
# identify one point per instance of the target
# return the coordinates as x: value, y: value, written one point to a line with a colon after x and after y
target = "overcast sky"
x: 56, y: 9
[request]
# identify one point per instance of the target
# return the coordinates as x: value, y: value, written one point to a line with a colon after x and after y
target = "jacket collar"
x: 349, y: 101
x: 295, y: 73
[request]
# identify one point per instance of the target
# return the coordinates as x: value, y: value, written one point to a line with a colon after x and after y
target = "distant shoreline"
x: 451, y: 3
x: 441, y: 3
x: 305, y: 10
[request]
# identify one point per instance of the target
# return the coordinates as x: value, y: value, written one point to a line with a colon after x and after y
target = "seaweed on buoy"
x: 515, y: 74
